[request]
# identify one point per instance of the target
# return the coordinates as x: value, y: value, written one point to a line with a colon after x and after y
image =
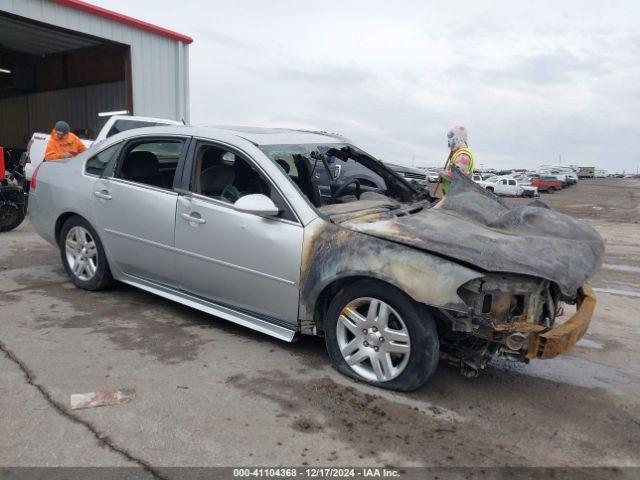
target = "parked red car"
x: 545, y: 184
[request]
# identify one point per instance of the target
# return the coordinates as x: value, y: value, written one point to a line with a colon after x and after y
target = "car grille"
x: 417, y: 176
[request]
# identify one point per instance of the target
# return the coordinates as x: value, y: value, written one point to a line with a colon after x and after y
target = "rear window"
x: 123, y: 125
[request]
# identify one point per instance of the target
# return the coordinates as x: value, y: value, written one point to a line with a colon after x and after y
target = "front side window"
x: 225, y: 176
x: 151, y: 163
x: 97, y: 164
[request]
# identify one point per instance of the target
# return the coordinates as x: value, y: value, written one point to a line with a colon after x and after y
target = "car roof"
x: 255, y: 135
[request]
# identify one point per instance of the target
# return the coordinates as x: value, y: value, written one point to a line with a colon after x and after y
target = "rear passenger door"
x: 134, y: 207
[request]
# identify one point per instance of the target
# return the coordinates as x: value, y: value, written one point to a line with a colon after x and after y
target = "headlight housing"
x: 507, y: 302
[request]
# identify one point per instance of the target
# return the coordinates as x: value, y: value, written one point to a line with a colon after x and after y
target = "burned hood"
x: 474, y: 226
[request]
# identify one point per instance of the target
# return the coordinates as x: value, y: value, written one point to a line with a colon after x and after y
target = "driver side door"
x: 501, y: 187
x: 237, y: 259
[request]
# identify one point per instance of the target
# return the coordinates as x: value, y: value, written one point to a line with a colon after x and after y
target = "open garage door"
x: 49, y: 74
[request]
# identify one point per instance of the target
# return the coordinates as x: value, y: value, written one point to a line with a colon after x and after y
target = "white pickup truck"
x: 509, y: 187
x: 116, y: 124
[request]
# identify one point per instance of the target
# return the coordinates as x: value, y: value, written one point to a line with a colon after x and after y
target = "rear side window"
x: 151, y: 163
x: 97, y: 164
x: 512, y: 182
x: 124, y: 125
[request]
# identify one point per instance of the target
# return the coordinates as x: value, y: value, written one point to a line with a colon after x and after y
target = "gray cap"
x: 62, y: 126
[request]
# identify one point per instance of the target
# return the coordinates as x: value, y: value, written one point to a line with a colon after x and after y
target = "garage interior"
x: 49, y: 74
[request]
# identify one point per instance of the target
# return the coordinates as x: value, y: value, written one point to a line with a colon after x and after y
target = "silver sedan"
x: 255, y: 226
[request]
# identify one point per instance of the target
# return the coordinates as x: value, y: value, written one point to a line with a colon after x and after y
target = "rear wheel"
x: 551, y: 190
x: 83, y: 256
x: 377, y: 334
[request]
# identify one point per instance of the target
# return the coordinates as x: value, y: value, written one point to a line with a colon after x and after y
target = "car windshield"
x: 339, y: 173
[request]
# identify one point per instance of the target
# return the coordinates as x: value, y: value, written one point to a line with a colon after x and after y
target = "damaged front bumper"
x: 513, y: 317
x: 562, y: 337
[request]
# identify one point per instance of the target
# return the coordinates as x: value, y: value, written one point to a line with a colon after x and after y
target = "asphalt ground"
x: 209, y: 393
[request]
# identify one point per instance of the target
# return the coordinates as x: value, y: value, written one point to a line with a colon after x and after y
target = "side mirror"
x: 257, y: 204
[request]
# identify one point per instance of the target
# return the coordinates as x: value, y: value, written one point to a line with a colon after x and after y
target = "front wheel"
x: 83, y: 255
x: 377, y: 334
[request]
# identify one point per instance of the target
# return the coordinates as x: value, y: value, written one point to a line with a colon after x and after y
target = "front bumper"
x: 562, y: 337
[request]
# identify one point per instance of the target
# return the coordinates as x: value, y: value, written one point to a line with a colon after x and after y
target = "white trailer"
x: 586, y: 172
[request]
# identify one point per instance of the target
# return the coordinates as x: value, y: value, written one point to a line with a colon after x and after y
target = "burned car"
x: 254, y: 226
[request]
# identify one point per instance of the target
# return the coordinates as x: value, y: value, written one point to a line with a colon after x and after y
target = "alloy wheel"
x: 373, y: 339
x: 81, y: 253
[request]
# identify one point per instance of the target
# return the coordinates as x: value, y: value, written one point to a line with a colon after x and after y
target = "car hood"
x: 475, y: 227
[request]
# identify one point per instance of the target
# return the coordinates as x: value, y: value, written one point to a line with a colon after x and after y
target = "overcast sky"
x: 531, y: 81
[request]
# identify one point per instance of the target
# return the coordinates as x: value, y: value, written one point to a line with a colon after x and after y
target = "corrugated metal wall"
x: 160, y: 65
x: 21, y: 116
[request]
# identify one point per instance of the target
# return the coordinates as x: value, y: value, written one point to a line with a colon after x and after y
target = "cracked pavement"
x: 209, y: 393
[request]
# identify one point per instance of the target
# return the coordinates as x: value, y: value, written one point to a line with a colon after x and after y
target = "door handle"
x: 104, y: 194
x: 189, y: 218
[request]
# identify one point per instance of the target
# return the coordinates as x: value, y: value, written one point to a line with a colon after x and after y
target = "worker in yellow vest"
x: 460, y: 156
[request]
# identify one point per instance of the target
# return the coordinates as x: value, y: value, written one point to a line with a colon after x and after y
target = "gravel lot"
x: 213, y: 394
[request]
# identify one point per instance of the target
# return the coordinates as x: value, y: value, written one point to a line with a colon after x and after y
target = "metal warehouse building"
x: 68, y: 59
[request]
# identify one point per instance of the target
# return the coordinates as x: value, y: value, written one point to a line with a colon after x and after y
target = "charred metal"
x: 493, y: 277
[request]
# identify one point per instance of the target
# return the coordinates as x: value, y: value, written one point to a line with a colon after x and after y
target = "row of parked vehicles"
x: 526, y: 184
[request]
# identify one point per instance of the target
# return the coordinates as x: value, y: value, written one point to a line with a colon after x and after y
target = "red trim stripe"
x: 2, y: 172
x: 124, y: 19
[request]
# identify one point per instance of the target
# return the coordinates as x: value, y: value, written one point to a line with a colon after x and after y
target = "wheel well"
x: 322, y: 303
x: 61, y: 221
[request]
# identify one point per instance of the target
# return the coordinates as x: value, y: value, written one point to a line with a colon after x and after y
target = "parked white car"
x: 116, y: 124
x: 509, y: 187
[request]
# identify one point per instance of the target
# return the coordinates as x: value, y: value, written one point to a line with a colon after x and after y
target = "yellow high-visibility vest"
x: 447, y: 183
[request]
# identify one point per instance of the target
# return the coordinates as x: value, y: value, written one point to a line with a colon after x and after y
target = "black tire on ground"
x: 102, y: 278
x: 551, y: 190
x: 425, y: 346
x: 490, y: 189
x: 11, y: 215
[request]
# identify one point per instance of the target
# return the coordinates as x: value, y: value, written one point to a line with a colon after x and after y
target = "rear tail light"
x: 33, y: 178
x: 2, y: 172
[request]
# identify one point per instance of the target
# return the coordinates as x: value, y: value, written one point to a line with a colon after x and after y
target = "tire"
x: 11, y: 215
x: 551, y: 190
x: 490, y: 189
x: 86, y: 263
x: 409, y: 354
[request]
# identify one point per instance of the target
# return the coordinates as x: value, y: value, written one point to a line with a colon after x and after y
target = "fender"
x: 331, y: 252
